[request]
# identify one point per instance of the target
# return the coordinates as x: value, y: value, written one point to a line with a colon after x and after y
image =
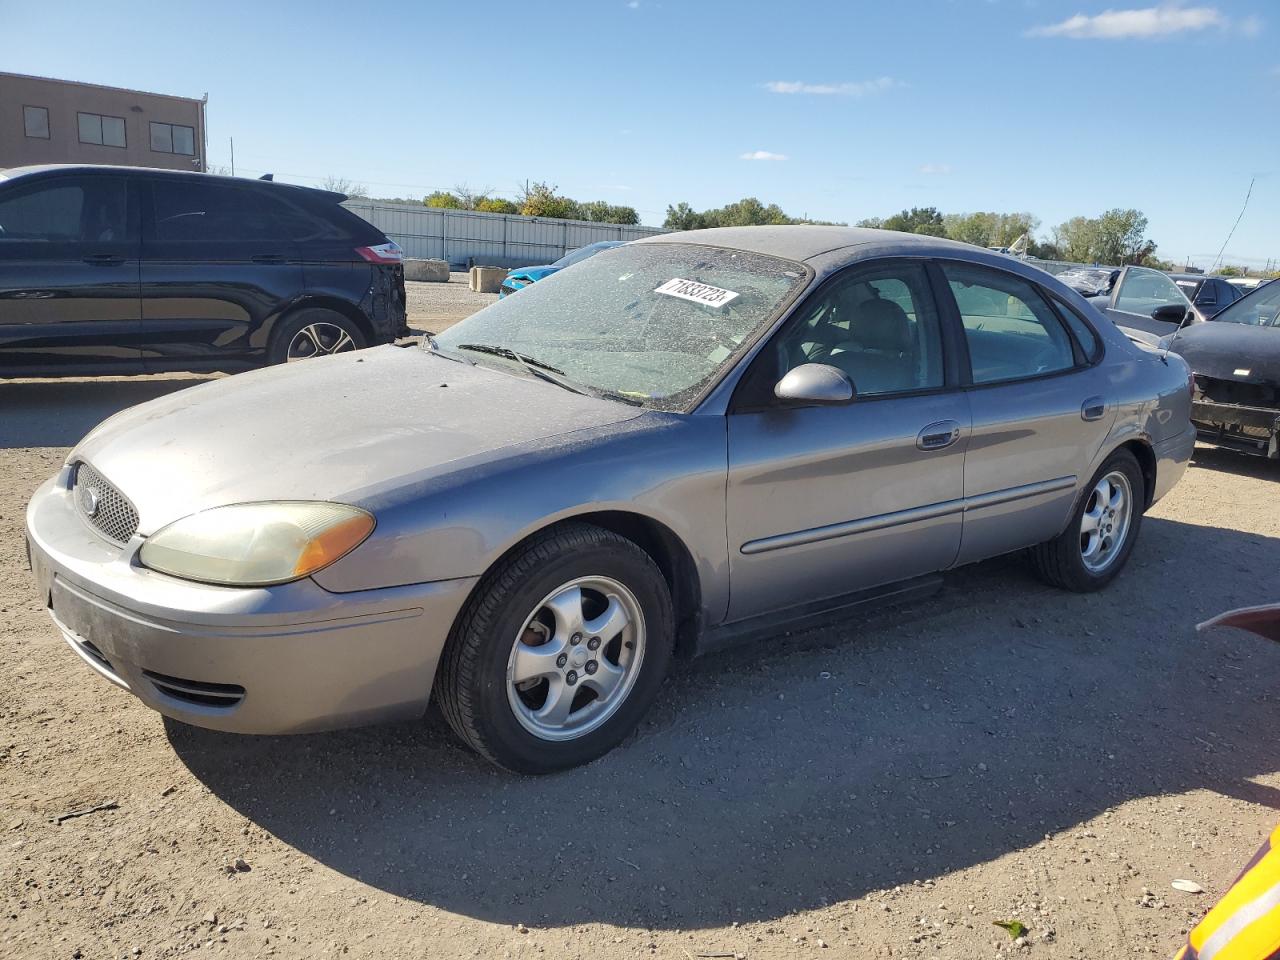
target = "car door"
x: 1040, y: 404
x: 824, y: 501
x: 69, y: 275
x: 1138, y: 293
x: 218, y: 267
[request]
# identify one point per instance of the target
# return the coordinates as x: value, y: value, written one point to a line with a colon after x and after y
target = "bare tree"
x: 343, y: 185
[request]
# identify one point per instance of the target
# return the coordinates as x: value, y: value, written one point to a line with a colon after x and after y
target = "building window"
x: 173, y: 138
x: 106, y: 131
x: 36, y: 122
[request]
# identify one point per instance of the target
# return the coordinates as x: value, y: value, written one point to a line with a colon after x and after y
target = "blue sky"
x: 837, y: 110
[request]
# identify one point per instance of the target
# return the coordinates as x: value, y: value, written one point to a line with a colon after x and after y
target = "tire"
x: 509, y: 651
x: 315, y: 327
x: 1065, y: 561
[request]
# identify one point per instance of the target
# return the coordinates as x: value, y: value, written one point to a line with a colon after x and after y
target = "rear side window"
x: 1011, y: 331
x: 1090, y: 345
x: 90, y: 210
x: 192, y: 212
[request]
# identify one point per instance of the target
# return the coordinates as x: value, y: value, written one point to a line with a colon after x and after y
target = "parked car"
x: 676, y: 445
x: 1209, y: 294
x: 520, y: 278
x: 114, y: 270
x: 1236, y: 362
x: 1247, y: 284
x: 1090, y: 281
x: 1147, y: 305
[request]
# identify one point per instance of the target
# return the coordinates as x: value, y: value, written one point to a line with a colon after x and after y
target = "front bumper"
x: 1247, y: 429
x: 284, y: 659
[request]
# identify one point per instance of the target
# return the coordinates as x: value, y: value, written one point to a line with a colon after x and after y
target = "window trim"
x: 48, y: 125
x: 951, y: 369
x: 171, y: 151
x: 954, y: 317
x: 124, y: 129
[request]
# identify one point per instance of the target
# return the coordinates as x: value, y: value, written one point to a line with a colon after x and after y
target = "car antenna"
x: 1174, y: 336
x: 267, y: 176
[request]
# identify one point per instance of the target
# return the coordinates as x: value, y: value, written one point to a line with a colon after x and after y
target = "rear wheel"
x: 560, y: 652
x: 314, y: 332
x: 1097, y: 542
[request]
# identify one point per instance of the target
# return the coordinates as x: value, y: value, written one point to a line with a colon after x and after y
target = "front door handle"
x: 939, y: 435
x: 104, y: 259
x: 1093, y: 408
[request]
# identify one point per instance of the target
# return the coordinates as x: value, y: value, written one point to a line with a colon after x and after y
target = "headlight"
x: 256, y: 544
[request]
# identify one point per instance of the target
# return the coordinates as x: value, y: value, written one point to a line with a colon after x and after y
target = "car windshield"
x: 1261, y: 308
x: 653, y: 323
x: 573, y: 256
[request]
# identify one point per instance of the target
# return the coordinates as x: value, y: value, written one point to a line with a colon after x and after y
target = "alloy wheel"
x: 576, y: 658
x: 318, y: 340
x: 1105, y: 522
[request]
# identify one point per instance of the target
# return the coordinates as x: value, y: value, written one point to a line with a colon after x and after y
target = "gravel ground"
x: 437, y: 306
x: 889, y: 785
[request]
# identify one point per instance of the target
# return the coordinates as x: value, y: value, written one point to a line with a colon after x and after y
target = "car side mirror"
x: 1169, y: 313
x: 815, y: 384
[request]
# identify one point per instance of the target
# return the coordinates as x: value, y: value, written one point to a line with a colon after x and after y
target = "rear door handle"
x: 104, y: 259
x: 939, y: 435
x: 1093, y: 408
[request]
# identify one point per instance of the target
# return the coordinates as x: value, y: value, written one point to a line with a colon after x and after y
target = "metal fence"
x: 468, y: 238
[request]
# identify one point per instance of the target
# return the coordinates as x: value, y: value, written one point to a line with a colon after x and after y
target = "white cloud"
x: 1145, y: 24
x: 634, y: 4
x: 763, y: 155
x: 860, y: 89
x: 936, y: 169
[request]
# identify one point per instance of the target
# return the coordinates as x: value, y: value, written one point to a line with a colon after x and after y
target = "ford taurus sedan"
x: 678, y: 444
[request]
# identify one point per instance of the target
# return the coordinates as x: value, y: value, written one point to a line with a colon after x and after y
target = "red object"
x: 1263, y: 620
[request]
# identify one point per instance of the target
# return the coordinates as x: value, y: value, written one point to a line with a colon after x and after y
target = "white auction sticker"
x: 702, y: 293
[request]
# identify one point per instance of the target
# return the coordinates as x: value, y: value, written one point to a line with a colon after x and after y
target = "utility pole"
x: 233, y: 155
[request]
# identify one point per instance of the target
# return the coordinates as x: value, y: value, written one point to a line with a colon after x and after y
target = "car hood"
x: 1222, y: 350
x: 533, y: 273
x: 336, y: 428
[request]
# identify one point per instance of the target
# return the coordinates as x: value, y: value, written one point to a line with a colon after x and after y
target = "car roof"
x: 806, y: 241
x: 100, y: 169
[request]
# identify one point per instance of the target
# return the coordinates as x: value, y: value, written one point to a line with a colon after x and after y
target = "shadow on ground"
x: 812, y: 768
x: 57, y: 413
x: 1240, y: 464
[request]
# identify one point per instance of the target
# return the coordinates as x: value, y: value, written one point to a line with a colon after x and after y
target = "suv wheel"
x: 314, y: 332
x: 560, y: 651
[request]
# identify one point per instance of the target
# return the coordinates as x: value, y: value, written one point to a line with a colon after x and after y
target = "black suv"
x: 107, y: 270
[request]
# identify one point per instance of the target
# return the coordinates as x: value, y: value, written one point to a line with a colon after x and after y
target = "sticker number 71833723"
x: 702, y: 293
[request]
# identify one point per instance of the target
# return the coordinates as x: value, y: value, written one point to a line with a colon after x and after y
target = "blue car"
x: 518, y: 279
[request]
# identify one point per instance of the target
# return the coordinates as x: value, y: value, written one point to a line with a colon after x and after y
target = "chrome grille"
x: 103, y: 506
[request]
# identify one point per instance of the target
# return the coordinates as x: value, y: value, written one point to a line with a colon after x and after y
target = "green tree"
x: 598, y: 211
x: 496, y: 205
x: 683, y: 217
x: 926, y: 220
x: 1122, y: 237
x: 1076, y: 239
x: 541, y: 200
x: 442, y: 199
x: 874, y: 223
x: 747, y: 212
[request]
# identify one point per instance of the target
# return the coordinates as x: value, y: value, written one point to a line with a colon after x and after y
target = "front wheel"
x: 560, y: 651
x: 1093, y: 549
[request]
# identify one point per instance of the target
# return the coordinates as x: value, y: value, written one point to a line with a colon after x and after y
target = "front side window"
x: 1259, y: 309
x: 653, y: 323
x: 1142, y: 290
x: 92, y: 210
x: 100, y: 130
x: 879, y: 326
x: 1010, y: 329
x: 173, y: 138
x: 192, y: 212
x: 35, y: 122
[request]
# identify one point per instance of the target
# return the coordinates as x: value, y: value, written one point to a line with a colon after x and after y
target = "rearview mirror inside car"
x: 1169, y: 313
x: 815, y: 383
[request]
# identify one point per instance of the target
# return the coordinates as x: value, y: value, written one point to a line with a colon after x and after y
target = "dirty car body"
x: 690, y: 440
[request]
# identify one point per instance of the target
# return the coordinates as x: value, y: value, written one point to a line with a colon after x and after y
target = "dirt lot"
x: 437, y: 306
x: 887, y: 786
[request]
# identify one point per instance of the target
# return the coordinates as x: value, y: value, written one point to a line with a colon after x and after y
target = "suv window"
x: 1011, y: 331
x: 89, y: 210
x: 879, y: 326
x: 1141, y: 290
x: 191, y: 212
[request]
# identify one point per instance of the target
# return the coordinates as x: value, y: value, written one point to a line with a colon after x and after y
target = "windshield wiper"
x: 545, y: 371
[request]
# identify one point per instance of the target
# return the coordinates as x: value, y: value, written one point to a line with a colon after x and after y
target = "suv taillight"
x: 388, y: 252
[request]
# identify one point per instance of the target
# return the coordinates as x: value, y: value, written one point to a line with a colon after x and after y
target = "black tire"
x: 324, y: 322
x: 471, y: 684
x: 1060, y: 562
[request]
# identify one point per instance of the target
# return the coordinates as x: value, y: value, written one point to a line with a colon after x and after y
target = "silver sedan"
x: 672, y: 446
